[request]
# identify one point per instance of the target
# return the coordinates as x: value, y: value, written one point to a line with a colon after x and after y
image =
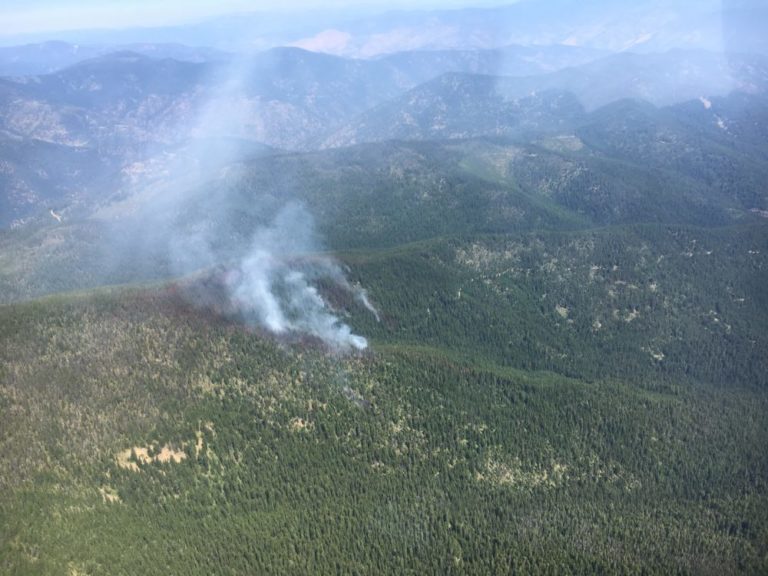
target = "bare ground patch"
x: 130, y: 458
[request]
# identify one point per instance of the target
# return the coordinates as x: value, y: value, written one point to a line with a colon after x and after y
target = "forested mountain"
x: 463, y: 105
x: 132, y: 419
x: 131, y: 115
x: 659, y: 78
x: 493, y: 307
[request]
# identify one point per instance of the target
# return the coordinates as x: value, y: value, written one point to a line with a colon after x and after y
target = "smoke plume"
x: 201, y: 215
x: 272, y: 287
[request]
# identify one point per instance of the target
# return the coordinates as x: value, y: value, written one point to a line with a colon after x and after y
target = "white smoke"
x: 193, y: 223
x: 272, y: 287
x: 362, y: 295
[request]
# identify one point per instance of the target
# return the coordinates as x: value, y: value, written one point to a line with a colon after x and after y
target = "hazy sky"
x: 32, y: 16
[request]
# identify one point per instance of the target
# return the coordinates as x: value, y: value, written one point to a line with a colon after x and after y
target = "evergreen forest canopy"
x: 475, y: 310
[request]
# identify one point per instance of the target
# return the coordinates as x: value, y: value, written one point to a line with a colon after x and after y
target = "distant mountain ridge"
x: 128, y: 114
x: 649, y: 26
x: 289, y: 98
x: 51, y: 56
x: 456, y: 106
x: 460, y: 105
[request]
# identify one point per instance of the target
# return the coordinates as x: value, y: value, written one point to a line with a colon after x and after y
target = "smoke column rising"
x: 194, y: 223
x: 270, y: 288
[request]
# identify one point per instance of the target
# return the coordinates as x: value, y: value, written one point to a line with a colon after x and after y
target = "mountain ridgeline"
x: 552, y: 261
x: 127, y: 114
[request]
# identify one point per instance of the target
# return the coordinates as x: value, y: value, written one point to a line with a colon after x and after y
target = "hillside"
x: 577, y: 397
x: 462, y: 105
x: 132, y: 115
x: 447, y: 290
x: 677, y: 170
x: 141, y: 435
